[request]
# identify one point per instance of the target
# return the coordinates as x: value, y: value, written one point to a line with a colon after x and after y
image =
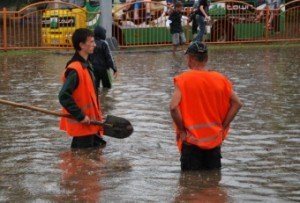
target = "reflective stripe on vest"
x: 204, y: 125
x: 192, y: 139
x: 84, y: 108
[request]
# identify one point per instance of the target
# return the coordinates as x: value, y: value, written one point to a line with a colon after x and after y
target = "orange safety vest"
x: 204, y: 104
x: 86, y: 99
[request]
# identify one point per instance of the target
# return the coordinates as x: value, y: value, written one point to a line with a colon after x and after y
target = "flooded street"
x: 261, y: 161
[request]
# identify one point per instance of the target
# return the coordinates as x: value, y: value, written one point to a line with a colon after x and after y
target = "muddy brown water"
x: 260, y: 159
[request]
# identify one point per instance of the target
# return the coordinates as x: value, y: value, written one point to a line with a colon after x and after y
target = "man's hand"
x: 182, y: 135
x: 116, y: 75
x: 223, y: 133
x: 207, y: 18
x: 86, y: 120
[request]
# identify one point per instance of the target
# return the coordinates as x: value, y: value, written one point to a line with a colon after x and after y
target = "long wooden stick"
x: 33, y: 108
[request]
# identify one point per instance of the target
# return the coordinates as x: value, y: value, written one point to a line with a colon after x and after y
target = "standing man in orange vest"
x: 202, y: 107
x: 78, y: 95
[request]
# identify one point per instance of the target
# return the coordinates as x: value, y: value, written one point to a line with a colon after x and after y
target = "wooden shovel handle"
x: 33, y: 108
x: 94, y: 122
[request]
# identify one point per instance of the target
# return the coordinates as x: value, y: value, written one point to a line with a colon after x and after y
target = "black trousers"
x: 102, y: 76
x: 87, y: 141
x: 194, y: 158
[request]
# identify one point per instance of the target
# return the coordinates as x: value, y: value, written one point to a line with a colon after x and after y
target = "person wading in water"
x: 202, y: 107
x: 102, y: 59
x: 78, y: 95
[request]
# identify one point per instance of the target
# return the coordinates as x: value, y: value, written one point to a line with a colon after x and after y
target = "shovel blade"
x: 117, y: 127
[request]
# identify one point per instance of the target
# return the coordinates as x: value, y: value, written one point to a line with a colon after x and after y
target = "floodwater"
x: 261, y: 161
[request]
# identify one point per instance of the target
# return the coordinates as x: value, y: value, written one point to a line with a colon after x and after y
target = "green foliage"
x: 217, y: 10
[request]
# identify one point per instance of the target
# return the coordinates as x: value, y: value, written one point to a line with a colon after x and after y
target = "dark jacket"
x: 192, y: 18
x: 101, y: 58
x: 205, y: 5
x: 175, y: 26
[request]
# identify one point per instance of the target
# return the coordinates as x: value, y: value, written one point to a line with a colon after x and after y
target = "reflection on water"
x: 260, y: 159
x: 201, y: 187
x: 81, y: 175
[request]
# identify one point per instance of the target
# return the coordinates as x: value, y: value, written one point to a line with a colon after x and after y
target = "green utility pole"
x: 106, y: 16
x: 107, y: 22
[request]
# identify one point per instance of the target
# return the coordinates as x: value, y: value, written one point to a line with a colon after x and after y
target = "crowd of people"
x: 198, y: 17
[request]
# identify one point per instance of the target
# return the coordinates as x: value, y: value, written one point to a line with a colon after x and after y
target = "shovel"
x: 114, y: 126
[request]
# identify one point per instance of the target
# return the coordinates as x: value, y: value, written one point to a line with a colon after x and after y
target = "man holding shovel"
x: 81, y: 114
x: 78, y: 95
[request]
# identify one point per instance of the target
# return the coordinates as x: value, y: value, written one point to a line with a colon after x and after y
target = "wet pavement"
x: 260, y: 159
